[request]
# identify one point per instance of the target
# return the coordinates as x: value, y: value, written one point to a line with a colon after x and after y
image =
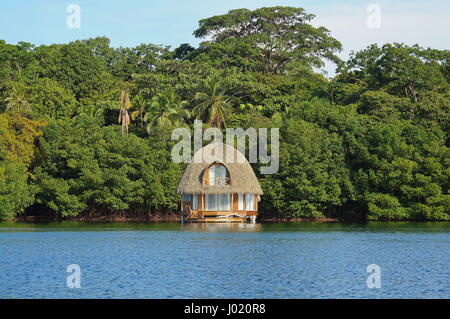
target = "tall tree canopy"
x: 370, y: 143
x: 278, y: 36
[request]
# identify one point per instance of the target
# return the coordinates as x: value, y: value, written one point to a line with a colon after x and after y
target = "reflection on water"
x: 222, y: 227
x: 229, y: 227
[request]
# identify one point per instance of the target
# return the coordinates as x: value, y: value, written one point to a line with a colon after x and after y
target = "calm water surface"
x: 294, y: 260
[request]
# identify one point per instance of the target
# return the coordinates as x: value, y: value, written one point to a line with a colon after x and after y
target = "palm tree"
x: 92, y: 111
x: 17, y: 98
x: 214, y: 106
x: 124, y: 117
x: 167, y: 110
x: 141, y: 104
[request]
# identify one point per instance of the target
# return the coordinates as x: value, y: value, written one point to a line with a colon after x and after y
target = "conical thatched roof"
x: 242, y: 177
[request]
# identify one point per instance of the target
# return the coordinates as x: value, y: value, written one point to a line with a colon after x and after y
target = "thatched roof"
x: 242, y: 177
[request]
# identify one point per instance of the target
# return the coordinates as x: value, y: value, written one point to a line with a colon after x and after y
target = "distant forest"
x: 85, y: 128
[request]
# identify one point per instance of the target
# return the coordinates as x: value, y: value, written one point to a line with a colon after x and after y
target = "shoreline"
x: 162, y: 218
x: 175, y: 218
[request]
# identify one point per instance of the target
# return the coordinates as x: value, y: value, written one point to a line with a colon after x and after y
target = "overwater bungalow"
x: 219, y: 185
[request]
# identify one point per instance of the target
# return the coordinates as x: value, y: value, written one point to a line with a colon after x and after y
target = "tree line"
x: 85, y: 127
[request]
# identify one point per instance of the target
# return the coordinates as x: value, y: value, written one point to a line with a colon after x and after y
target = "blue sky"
x: 171, y: 22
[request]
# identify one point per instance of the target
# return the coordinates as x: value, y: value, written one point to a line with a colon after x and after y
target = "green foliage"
x: 385, y: 207
x: 15, y: 193
x: 213, y: 104
x: 76, y: 67
x: 182, y: 52
x: 17, y: 98
x: 141, y: 105
x: 127, y: 62
x: 371, y: 143
x: 18, y: 133
x: 86, y: 167
x: 46, y: 97
x: 399, y: 70
x: 312, y: 172
x: 273, y: 37
x: 167, y: 110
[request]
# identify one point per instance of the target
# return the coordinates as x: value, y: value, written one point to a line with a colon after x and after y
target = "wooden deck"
x: 217, y: 220
x: 200, y: 215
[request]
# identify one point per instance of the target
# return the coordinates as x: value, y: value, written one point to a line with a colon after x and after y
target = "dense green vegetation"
x: 372, y: 142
